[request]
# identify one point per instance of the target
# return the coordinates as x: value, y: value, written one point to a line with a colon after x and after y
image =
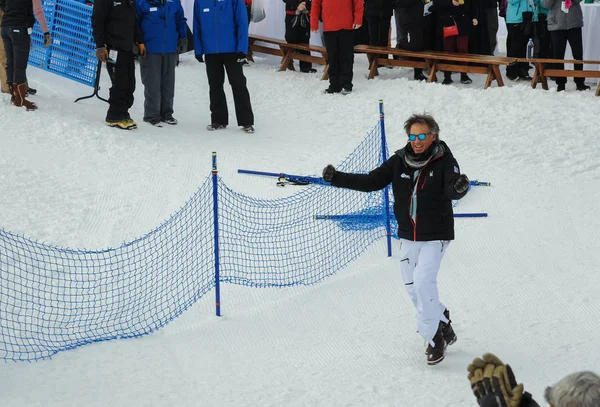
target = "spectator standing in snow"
x: 164, y: 34
x: 118, y: 40
x: 410, y: 28
x: 221, y: 37
x: 18, y: 18
x: 297, y: 27
x: 340, y: 18
x: 425, y: 178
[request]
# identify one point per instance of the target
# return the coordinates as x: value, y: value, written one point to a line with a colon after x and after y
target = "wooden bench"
x: 438, y: 61
x: 543, y: 72
x: 288, y: 52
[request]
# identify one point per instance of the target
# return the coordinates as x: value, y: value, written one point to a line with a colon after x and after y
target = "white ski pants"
x: 420, y: 263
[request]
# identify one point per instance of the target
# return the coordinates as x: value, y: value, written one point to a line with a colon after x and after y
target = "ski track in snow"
x: 522, y: 283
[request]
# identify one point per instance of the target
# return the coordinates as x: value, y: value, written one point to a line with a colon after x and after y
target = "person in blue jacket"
x: 163, y: 27
x: 521, y: 15
x: 221, y: 41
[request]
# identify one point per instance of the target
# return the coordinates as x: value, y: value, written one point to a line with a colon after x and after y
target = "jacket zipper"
x: 416, y: 192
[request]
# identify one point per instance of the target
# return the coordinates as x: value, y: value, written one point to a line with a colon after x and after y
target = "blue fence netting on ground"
x: 72, y: 52
x: 53, y: 299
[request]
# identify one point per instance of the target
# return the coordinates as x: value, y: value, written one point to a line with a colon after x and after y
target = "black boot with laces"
x: 447, y: 331
x: 435, y: 354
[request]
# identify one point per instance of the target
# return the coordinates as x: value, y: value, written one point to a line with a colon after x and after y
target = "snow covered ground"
x: 522, y: 283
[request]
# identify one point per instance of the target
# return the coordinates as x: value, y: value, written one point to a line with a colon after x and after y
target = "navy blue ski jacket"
x: 162, y: 24
x: 220, y: 26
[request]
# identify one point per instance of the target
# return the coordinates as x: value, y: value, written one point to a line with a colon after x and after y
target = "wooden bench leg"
x: 536, y: 77
x: 490, y: 77
x: 373, y: 65
x: 433, y: 72
x: 250, y: 44
x: 325, y: 73
x: 287, y: 59
x: 498, y: 75
x: 540, y: 67
x: 598, y: 89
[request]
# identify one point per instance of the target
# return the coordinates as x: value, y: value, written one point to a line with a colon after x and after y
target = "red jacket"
x: 336, y: 14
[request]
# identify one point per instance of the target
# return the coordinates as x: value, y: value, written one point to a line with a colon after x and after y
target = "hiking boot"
x: 561, y: 87
x: 346, y: 91
x: 154, y: 122
x: 309, y: 70
x: 435, y: 354
x: 30, y: 91
x: 582, y: 87
x: 215, y: 126
x: 331, y: 90
x: 122, y: 124
x: 20, y: 100
x: 170, y: 120
x: 464, y: 79
x: 447, y: 81
x: 447, y: 331
x: 420, y: 77
x: 249, y: 129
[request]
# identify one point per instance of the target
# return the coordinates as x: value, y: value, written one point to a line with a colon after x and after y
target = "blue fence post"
x: 216, y: 227
x: 386, y: 194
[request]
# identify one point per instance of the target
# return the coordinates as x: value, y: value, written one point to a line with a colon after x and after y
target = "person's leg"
x: 430, y: 309
x: 150, y: 69
x: 3, y: 78
x: 346, y: 58
x: 215, y: 72
x: 21, y: 44
x: 167, y: 92
x: 449, y: 46
x: 574, y: 36
x: 241, y: 96
x: 491, y: 18
x: 409, y: 254
x: 559, y: 45
x: 332, y: 40
x: 515, y: 49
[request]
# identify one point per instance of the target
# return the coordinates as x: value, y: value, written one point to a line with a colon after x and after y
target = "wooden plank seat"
x: 437, y: 61
x: 288, y: 52
x: 545, y: 70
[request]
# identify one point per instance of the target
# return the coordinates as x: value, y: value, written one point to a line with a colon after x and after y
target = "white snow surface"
x: 522, y: 283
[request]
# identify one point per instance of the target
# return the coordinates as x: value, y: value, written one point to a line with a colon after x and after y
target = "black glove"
x: 328, y: 173
x: 182, y: 46
x: 242, y: 58
x: 199, y: 58
x: 462, y: 184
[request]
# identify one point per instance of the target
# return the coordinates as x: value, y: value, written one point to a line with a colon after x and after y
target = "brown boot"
x: 12, y: 90
x: 21, y: 93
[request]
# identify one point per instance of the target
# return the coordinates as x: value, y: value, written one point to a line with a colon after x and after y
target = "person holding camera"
x: 164, y: 34
x: 18, y: 18
x: 425, y: 178
x: 221, y: 42
x: 118, y: 40
x: 458, y: 17
x: 297, y: 27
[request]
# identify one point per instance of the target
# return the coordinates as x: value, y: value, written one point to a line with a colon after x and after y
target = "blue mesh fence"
x: 72, y: 53
x: 53, y: 299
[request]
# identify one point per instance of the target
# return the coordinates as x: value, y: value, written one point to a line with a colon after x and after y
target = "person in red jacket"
x: 340, y: 18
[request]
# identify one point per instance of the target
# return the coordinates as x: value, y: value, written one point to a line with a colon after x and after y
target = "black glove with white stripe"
x: 461, y: 184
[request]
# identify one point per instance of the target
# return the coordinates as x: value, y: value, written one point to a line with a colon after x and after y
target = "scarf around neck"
x: 419, y: 161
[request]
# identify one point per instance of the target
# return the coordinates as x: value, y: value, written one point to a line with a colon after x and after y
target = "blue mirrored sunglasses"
x: 413, y: 137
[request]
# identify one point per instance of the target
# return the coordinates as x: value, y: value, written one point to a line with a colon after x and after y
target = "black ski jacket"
x: 114, y: 24
x: 17, y: 13
x: 434, y: 188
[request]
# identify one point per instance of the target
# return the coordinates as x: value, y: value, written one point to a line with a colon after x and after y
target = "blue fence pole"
x: 386, y: 194
x: 216, y: 226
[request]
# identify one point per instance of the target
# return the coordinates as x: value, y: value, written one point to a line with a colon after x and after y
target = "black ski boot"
x: 449, y: 335
x: 435, y: 354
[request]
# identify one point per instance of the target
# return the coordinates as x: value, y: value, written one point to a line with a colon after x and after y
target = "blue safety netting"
x: 55, y: 299
x: 72, y: 52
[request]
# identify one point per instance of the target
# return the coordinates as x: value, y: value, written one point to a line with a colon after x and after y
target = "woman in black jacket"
x: 425, y: 178
x: 297, y: 27
x: 464, y: 14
